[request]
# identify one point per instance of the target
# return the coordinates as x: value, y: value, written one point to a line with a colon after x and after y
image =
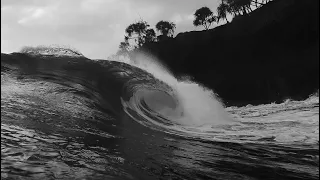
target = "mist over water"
x: 195, y: 105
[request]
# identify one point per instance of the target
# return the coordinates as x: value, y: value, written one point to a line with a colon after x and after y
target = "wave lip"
x: 162, y: 102
x: 52, y: 50
x: 148, y: 93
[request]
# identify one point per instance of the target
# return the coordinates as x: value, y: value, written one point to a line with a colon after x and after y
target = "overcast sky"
x: 94, y: 27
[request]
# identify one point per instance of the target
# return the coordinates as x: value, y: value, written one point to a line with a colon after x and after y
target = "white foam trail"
x: 199, y: 104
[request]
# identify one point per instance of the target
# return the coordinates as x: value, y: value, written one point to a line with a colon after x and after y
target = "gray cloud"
x: 94, y: 27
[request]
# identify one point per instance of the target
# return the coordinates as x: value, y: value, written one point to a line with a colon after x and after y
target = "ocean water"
x: 66, y: 117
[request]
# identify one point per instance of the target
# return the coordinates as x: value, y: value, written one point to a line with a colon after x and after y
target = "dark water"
x: 74, y: 118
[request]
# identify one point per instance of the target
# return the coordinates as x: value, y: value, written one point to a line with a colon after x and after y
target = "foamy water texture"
x: 83, y: 119
x: 196, y: 105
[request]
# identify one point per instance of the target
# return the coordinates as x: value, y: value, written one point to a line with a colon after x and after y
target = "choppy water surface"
x: 66, y: 125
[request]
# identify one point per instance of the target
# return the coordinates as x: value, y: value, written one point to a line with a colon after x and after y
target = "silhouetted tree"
x: 243, y: 7
x: 222, y: 10
x: 258, y: 4
x: 166, y: 28
x: 150, y: 36
x: 237, y: 7
x: 137, y: 34
x: 204, y: 17
x: 140, y: 32
x: 124, y: 47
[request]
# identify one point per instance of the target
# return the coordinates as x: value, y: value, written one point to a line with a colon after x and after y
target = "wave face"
x: 70, y: 117
x: 167, y: 103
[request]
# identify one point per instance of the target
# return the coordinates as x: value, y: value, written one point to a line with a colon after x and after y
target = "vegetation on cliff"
x: 268, y: 55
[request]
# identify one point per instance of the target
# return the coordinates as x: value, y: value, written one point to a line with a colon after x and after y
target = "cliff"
x: 270, y: 55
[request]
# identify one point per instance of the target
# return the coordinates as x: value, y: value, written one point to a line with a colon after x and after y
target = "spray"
x: 197, y: 105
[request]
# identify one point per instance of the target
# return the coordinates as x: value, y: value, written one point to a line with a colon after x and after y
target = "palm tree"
x: 222, y: 10
x: 238, y: 7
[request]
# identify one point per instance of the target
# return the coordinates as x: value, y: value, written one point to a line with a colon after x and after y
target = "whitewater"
x: 68, y: 117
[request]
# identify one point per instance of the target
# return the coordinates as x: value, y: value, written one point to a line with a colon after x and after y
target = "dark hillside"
x: 267, y: 56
